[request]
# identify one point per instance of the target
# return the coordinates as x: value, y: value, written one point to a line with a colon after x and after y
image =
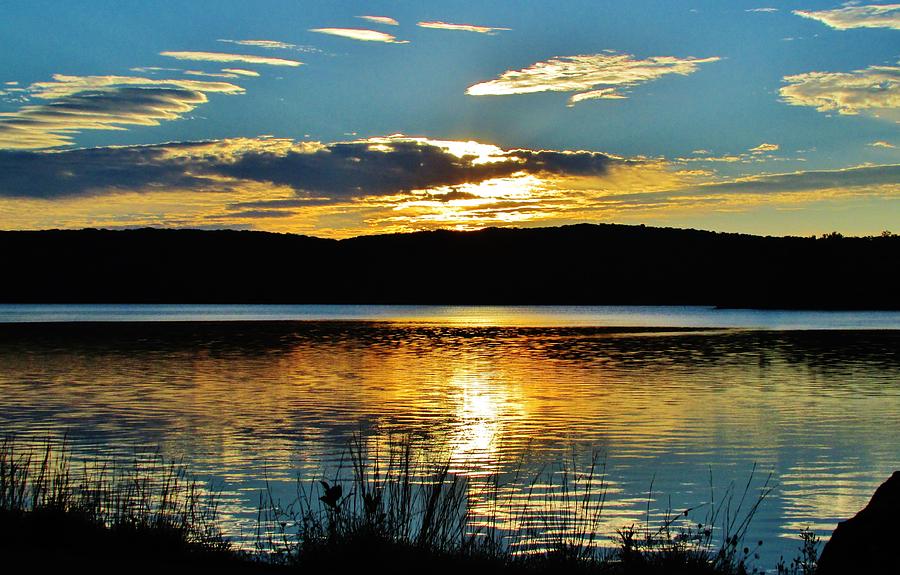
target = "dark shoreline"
x: 582, y: 264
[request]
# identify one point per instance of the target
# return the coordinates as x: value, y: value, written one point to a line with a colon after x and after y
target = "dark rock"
x: 869, y: 542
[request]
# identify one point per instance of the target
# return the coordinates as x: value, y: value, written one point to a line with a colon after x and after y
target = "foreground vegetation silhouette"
x: 400, y: 512
x: 577, y: 264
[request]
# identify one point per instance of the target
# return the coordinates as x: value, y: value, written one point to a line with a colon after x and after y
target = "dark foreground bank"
x: 579, y: 264
x: 405, y: 518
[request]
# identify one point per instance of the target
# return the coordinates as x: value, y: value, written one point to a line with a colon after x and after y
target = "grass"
x: 389, y: 506
x: 148, y: 512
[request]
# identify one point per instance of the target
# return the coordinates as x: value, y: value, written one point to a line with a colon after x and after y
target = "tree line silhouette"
x: 576, y: 264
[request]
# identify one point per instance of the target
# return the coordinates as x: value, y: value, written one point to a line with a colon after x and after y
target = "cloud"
x: 91, y: 171
x: 341, y: 170
x: 461, y: 27
x: 360, y: 34
x: 882, y: 144
x: 601, y: 94
x: 381, y: 20
x: 78, y: 103
x: 592, y: 75
x: 223, y: 57
x: 870, y: 16
x: 240, y: 72
x: 153, y: 69
x: 859, y: 178
x: 871, y: 89
x: 761, y: 10
x: 271, y: 45
x: 390, y: 183
x: 203, y: 74
x: 763, y: 148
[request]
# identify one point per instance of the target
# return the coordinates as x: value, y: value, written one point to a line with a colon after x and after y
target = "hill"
x: 578, y: 264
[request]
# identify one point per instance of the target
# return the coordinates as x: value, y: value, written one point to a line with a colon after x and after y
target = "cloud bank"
x: 593, y: 76
x: 341, y: 170
x: 391, y: 183
x: 870, y: 16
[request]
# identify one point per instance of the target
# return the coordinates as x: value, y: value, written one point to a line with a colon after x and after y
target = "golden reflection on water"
x: 243, y: 403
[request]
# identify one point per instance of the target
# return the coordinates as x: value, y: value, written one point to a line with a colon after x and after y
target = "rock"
x: 870, y: 541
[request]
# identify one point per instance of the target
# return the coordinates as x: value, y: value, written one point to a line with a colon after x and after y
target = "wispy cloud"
x: 761, y: 10
x: 462, y: 27
x: 595, y: 76
x: 77, y: 103
x: 153, y: 69
x: 757, y: 154
x: 240, y: 72
x: 601, y: 94
x: 764, y: 148
x: 360, y: 34
x: 876, y: 88
x: 882, y: 144
x: 869, y: 16
x: 203, y: 74
x: 224, y: 57
x: 272, y: 45
x: 386, y: 20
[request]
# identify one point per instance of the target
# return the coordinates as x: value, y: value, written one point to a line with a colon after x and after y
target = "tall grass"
x: 148, y: 497
x: 398, y: 502
x: 393, y: 505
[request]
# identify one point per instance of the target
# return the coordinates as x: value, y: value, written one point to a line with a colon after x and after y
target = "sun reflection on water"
x: 503, y: 404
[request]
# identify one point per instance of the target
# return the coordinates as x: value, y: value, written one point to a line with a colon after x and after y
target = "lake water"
x: 670, y: 397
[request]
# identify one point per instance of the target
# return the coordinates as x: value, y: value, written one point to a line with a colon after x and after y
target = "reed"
x: 400, y: 506
x: 396, y: 504
x: 100, y: 507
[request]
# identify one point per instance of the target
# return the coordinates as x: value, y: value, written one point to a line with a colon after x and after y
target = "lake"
x: 672, y: 399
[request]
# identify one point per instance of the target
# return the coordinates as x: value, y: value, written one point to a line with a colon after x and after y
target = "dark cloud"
x: 338, y: 171
x: 91, y: 171
x: 253, y: 214
x: 862, y: 179
x: 357, y: 169
x: 858, y: 177
x: 566, y: 163
x: 281, y: 204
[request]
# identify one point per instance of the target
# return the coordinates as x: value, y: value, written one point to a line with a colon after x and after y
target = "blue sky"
x: 764, y: 117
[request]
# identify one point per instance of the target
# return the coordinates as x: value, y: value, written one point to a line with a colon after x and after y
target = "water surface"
x: 670, y: 397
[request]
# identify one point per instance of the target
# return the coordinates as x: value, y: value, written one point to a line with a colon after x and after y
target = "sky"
x: 337, y: 119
